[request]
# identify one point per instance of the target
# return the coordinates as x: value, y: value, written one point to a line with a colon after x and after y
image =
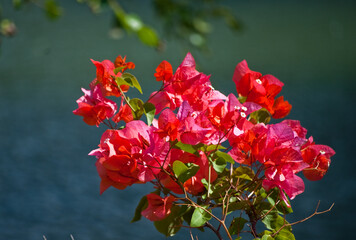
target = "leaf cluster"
x: 188, y: 21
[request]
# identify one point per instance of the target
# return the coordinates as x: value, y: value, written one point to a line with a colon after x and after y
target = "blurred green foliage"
x: 190, y: 22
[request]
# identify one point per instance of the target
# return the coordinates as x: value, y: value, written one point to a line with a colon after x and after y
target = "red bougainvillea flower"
x: 236, y: 113
x: 281, y: 108
x: 194, y: 126
x: 104, y: 73
x: 164, y: 71
x: 292, y: 185
x: 298, y: 130
x: 187, y: 84
x: 94, y: 107
x: 158, y: 208
x: 130, y: 155
x: 246, y: 144
x: 168, y: 125
x: 115, y: 165
x: 125, y: 113
x: 121, y: 63
x: 260, y: 89
x: 318, y: 158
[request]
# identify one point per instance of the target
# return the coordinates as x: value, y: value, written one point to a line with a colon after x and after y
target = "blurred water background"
x: 48, y: 184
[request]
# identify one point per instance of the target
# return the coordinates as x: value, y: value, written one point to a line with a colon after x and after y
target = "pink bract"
x: 94, y: 108
x: 158, y: 208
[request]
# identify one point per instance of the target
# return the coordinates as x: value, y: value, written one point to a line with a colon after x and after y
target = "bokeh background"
x: 48, y: 184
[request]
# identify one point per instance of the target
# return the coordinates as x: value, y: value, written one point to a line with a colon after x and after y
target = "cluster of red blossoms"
x: 191, y: 112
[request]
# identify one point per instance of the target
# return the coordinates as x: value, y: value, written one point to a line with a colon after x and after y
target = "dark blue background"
x: 49, y: 186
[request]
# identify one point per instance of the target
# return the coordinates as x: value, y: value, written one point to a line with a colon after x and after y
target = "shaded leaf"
x: 261, y: 116
x: 137, y: 105
x: 237, y: 225
x: 237, y: 206
x: 140, y: 207
x: 17, y: 3
x: 171, y: 224
x: 244, y: 173
x: 206, y: 185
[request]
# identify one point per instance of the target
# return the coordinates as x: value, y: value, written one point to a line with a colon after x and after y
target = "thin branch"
x: 208, y: 225
x: 126, y: 100
x: 305, y: 219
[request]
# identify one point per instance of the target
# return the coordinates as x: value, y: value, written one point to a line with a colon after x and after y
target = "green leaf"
x: 242, y: 99
x: 237, y: 225
x: 225, y: 156
x: 184, y: 171
x: 261, y: 116
x: 132, y: 22
x: 137, y: 105
x: 17, y: 3
x: 171, y: 224
x: 142, y: 205
x: 148, y: 36
x: 267, y: 237
x: 120, y: 81
x: 244, y: 173
x: 118, y: 69
x: 52, y: 9
x: 272, y: 220
x: 199, y: 217
x: 219, y: 164
x: 212, y: 148
x: 132, y: 81
x: 237, y: 206
x: 285, y: 234
x: 150, y: 111
x: 187, y: 147
x: 220, y: 185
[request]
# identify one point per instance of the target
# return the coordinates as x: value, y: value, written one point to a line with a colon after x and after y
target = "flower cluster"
x: 199, y: 143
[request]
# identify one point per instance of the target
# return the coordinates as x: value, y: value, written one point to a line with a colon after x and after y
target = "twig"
x: 208, y: 225
x: 305, y: 219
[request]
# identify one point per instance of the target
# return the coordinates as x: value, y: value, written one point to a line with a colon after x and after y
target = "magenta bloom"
x: 158, y: 208
x: 261, y: 90
x: 187, y: 84
x: 131, y: 155
x: 94, y: 107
